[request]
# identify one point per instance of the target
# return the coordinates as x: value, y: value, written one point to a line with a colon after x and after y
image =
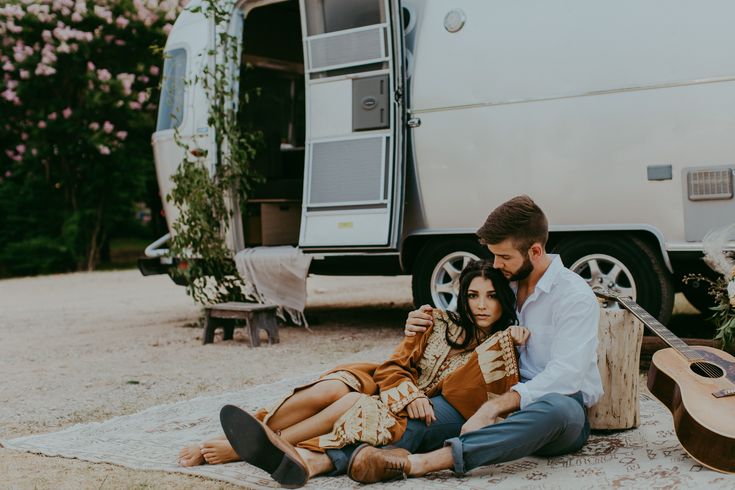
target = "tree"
x: 79, y: 81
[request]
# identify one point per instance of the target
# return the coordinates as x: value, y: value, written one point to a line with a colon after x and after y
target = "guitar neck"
x: 661, y: 331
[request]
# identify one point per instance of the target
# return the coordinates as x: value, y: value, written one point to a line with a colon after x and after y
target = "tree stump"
x: 618, y: 358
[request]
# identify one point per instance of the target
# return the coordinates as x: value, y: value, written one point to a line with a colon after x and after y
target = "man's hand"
x: 421, y: 408
x: 519, y: 334
x: 489, y: 412
x: 482, y: 418
x: 419, y: 320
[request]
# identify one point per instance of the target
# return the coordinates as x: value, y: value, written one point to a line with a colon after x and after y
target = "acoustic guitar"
x: 697, y: 384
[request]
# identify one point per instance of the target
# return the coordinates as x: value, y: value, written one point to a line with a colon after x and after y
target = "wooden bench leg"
x: 267, y: 321
x: 254, y: 331
x: 210, y: 324
x: 229, y: 328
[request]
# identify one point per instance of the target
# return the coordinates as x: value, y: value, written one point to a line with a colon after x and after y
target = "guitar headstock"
x: 608, y: 294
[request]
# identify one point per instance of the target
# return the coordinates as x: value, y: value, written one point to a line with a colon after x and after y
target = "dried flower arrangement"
x: 721, y: 260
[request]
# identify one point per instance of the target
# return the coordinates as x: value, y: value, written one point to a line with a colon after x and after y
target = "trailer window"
x: 171, y: 106
x: 323, y: 16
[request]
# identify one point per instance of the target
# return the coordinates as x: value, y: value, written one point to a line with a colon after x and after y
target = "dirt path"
x: 85, y: 347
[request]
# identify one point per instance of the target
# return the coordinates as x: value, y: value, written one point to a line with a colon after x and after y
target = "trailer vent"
x: 347, y: 172
x: 703, y: 185
x: 355, y: 47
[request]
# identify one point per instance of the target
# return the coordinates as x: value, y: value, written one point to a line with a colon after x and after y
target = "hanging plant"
x: 205, y: 199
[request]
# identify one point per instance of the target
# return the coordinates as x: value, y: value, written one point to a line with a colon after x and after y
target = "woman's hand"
x: 518, y: 334
x: 421, y: 408
x: 419, y: 320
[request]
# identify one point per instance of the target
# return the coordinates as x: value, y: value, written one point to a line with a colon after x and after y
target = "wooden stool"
x: 618, y: 359
x: 255, y: 315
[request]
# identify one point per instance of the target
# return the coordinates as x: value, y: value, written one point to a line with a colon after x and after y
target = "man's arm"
x: 573, y: 350
x: 489, y: 412
x: 419, y: 320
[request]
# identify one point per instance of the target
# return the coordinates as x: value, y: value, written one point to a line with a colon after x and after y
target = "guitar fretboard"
x: 663, y: 332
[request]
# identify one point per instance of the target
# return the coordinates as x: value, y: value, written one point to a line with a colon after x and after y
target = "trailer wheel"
x: 436, y: 271
x: 626, y: 265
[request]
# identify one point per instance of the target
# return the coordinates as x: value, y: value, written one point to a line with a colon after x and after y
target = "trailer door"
x: 353, y: 182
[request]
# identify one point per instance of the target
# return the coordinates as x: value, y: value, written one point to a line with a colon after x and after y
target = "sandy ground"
x: 86, y: 347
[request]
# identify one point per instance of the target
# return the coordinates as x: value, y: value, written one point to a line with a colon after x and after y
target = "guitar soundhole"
x: 707, y: 369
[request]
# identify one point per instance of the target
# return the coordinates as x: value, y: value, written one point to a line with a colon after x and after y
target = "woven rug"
x: 647, y: 457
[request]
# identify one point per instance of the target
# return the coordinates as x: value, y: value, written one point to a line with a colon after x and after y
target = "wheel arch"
x: 412, y: 245
x: 650, y: 235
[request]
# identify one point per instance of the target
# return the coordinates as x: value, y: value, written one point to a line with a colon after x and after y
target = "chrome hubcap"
x: 445, y: 279
x: 606, y: 271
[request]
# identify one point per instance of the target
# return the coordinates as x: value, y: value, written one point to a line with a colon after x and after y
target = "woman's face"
x: 485, y: 308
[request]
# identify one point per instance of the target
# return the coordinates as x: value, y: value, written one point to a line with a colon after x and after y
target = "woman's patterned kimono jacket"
x: 419, y: 367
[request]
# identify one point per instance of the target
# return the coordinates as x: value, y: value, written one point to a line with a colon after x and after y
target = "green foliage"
x: 723, y: 316
x: 204, y: 200
x: 79, y: 78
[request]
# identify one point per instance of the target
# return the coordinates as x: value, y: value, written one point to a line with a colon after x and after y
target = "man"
x: 558, y: 364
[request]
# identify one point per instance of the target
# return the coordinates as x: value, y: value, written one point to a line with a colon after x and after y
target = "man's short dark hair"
x: 518, y: 219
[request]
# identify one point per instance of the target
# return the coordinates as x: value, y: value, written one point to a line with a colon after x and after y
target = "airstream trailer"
x: 392, y: 128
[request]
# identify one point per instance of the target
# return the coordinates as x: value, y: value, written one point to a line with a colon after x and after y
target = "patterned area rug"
x: 647, y: 457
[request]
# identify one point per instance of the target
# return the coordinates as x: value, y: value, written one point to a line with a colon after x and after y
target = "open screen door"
x: 353, y: 182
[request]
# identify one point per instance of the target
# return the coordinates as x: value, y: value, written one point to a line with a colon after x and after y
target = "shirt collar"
x: 549, y: 277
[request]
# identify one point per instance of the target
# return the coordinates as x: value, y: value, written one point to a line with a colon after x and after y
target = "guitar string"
x: 704, y: 366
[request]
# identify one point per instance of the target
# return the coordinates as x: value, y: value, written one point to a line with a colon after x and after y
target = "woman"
x: 371, y: 403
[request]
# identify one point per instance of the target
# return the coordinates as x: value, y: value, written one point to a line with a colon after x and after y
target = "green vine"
x: 205, y: 201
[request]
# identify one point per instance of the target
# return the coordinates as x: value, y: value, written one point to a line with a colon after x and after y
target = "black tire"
x: 432, y: 255
x: 641, y: 269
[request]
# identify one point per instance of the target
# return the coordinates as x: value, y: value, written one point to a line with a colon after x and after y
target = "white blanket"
x: 279, y: 277
x: 643, y: 458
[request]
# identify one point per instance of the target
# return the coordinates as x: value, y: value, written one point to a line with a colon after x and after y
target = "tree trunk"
x: 618, y: 357
x: 96, y: 239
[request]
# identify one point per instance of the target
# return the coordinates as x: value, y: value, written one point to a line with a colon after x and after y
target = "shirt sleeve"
x: 573, y: 350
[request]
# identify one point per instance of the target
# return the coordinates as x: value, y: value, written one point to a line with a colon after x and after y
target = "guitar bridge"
x: 724, y: 393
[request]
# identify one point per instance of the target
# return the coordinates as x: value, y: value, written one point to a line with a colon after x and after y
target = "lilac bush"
x: 78, y: 106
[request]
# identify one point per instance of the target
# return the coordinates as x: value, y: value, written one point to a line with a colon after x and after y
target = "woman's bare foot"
x: 218, y: 451
x: 191, y: 455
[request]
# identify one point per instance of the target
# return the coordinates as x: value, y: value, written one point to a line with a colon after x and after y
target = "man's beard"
x: 523, y: 271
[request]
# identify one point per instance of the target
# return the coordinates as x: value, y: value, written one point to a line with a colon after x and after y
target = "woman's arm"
x: 397, y: 377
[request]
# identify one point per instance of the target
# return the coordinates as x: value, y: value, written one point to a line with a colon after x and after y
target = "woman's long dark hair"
x: 463, y: 316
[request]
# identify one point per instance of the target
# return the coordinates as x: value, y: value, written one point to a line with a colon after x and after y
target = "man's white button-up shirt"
x: 560, y: 355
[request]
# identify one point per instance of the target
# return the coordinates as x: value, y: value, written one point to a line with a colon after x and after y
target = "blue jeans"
x: 550, y: 426
x: 418, y: 438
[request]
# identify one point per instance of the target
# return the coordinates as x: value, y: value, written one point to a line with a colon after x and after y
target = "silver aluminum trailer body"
x: 616, y: 117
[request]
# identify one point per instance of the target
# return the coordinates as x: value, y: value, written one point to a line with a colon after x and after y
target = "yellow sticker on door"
x: 343, y: 225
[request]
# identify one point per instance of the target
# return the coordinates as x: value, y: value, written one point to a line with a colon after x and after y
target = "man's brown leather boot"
x: 370, y: 464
